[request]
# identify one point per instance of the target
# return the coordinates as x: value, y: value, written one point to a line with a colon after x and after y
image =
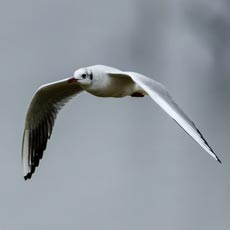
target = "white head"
x: 83, y: 76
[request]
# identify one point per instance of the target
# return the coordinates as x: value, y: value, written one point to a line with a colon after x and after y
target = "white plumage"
x: 101, y: 81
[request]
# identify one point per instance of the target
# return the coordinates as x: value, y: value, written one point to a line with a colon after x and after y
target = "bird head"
x: 83, y: 76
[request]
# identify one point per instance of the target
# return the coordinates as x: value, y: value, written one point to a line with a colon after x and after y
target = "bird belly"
x: 110, y: 93
x: 110, y: 87
x: 115, y: 87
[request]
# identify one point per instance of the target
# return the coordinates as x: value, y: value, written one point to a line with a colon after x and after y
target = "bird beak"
x: 72, y: 80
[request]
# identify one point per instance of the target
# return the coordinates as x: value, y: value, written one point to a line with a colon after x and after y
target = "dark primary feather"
x: 41, y: 115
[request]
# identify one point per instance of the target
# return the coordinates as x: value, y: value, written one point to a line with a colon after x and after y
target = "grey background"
x: 117, y: 163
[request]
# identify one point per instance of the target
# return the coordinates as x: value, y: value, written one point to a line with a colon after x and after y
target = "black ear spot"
x: 91, y: 76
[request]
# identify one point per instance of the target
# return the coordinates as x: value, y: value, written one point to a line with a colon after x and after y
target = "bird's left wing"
x: 161, y: 96
x: 40, y: 118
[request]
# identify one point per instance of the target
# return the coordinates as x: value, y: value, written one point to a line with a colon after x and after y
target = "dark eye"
x: 84, y: 75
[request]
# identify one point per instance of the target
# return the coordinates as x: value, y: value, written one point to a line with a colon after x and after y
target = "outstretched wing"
x: 40, y: 118
x: 161, y: 96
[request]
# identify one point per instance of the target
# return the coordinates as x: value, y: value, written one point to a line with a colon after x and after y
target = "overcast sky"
x: 117, y: 163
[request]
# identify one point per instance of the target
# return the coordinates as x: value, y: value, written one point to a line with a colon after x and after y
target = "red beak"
x: 72, y: 80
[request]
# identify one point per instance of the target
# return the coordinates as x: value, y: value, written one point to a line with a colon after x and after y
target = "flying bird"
x: 100, y: 81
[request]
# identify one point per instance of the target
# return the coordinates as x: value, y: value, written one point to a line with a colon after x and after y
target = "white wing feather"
x: 40, y: 118
x: 161, y: 96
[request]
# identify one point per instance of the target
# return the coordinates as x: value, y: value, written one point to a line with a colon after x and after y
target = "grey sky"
x: 117, y: 164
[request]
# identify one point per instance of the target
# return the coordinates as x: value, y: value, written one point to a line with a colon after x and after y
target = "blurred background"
x: 117, y: 163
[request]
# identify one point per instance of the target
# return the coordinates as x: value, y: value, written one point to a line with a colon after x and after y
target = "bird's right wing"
x: 40, y: 118
x: 160, y: 95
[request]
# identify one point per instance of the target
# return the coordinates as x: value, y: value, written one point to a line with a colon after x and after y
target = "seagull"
x: 100, y: 81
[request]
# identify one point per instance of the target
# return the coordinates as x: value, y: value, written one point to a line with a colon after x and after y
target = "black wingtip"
x: 28, y: 176
x: 218, y: 159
